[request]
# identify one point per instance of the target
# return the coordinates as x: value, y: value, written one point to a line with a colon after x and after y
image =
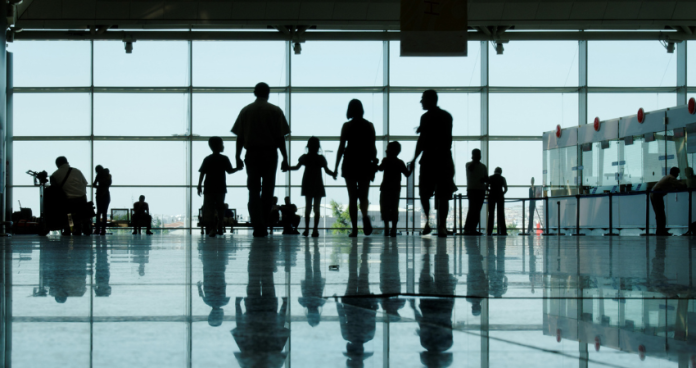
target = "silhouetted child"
x: 213, y: 170
x: 312, y: 182
x: 390, y: 190
x: 290, y: 219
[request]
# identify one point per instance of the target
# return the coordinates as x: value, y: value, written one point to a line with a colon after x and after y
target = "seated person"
x: 290, y: 218
x: 275, y: 214
x: 141, y: 216
x: 74, y: 186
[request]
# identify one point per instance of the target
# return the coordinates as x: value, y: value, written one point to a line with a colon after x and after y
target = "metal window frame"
x: 386, y: 89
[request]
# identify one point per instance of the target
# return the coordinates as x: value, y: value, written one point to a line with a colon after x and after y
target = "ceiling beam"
x: 343, y: 36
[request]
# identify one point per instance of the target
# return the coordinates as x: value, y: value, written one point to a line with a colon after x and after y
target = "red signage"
x: 558, y: 131
x: 692, y: 105
x: 641, y: 115
x: 596, y: 124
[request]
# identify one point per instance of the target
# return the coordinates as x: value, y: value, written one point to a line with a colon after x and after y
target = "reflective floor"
x: 191, y: 301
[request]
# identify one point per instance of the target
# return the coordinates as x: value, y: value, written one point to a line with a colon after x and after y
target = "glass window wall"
x: 151, y: 112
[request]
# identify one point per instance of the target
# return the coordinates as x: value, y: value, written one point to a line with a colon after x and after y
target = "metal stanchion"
x: 577, y: 216
x: 461, y: 223
x: 647, y: 213
x: 611, y: 216
x: 559, y: 217
x: 524, y: 223
x: 546, y: 216
x: 454, y: 224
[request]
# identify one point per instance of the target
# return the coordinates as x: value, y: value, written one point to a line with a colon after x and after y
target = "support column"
x: 189, y: 144
x: 288, y: 115
x: 681, y: 73
x: 582, y: 82
x: 385, y: 94
x: 7, y: 142
x: 484, y: 123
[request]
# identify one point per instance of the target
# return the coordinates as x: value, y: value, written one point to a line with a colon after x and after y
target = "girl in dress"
x: 312, y: 182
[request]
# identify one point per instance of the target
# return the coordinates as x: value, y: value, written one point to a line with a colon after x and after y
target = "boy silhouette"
x: 213, y: 170
x: 390, y: 190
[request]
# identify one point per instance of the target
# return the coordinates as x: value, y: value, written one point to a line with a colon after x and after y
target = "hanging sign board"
x: 433, y: 27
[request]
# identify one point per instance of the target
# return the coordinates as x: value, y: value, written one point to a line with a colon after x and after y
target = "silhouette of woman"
x: 102, y: 182
x: 312, y: 183
x: 359, y: 164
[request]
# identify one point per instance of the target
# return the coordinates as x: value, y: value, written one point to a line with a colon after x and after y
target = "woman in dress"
x: 359, y: 153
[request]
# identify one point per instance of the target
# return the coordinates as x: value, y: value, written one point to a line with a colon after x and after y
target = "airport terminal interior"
x: 588, y: 109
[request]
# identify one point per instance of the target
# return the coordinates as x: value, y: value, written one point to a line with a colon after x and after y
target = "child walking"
x: 312, y: 182
x: 390, y: 190
x: 213, y: 170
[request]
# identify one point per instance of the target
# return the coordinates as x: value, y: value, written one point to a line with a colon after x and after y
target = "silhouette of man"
x: 532, y: 209
x: 290, y: 218
x: 141, y: 215
x: 436, y: 165
x: 312, y: 285
x: 261, y: 129
x: 357, y: 316
x: 213, y: 288
x: 74, y: 185
x: 476, y: 177
x: 261, y: 333
x: 667, y: 184
x: 435, y: 318
x: 497, y: 187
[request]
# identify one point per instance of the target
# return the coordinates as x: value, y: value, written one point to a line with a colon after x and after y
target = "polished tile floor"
x: 190, y: 301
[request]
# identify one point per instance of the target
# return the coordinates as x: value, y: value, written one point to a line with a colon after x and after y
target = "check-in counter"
x: 624, y: 157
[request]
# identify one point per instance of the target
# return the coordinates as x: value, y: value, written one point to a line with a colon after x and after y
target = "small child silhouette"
x: 213, y: 170
x: 312, y: 182
x: 390, y: 190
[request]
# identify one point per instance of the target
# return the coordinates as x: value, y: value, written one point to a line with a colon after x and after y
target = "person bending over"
x: 668, y: 183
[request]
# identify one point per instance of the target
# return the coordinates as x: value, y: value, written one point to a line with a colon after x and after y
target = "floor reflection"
x: 336, y: 301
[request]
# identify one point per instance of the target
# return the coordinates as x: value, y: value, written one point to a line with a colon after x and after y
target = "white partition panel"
x: 677, y: 210
x: 567, y: 209
x: 594, y: 212
x: 632, y: 212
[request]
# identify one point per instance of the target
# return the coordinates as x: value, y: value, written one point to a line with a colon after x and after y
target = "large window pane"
x: 60, y: 114
x: 531, y: 113
x: 630, y: 64
x: 41, y: 155
x: 143, y: 114
x: 152, y: 64
x: 615, y: 105
x: 520, y: 161
x: 323, y: 114
x: 167, y: 205
x: 691, y: 63
x: 238, y: 64
x: 143, y: 162
x: 50, y: 63
x: 535, y: 63
x: 433, y: 71
x: 338, y: 64
x: 405, y: 112
x: 214, y: 114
